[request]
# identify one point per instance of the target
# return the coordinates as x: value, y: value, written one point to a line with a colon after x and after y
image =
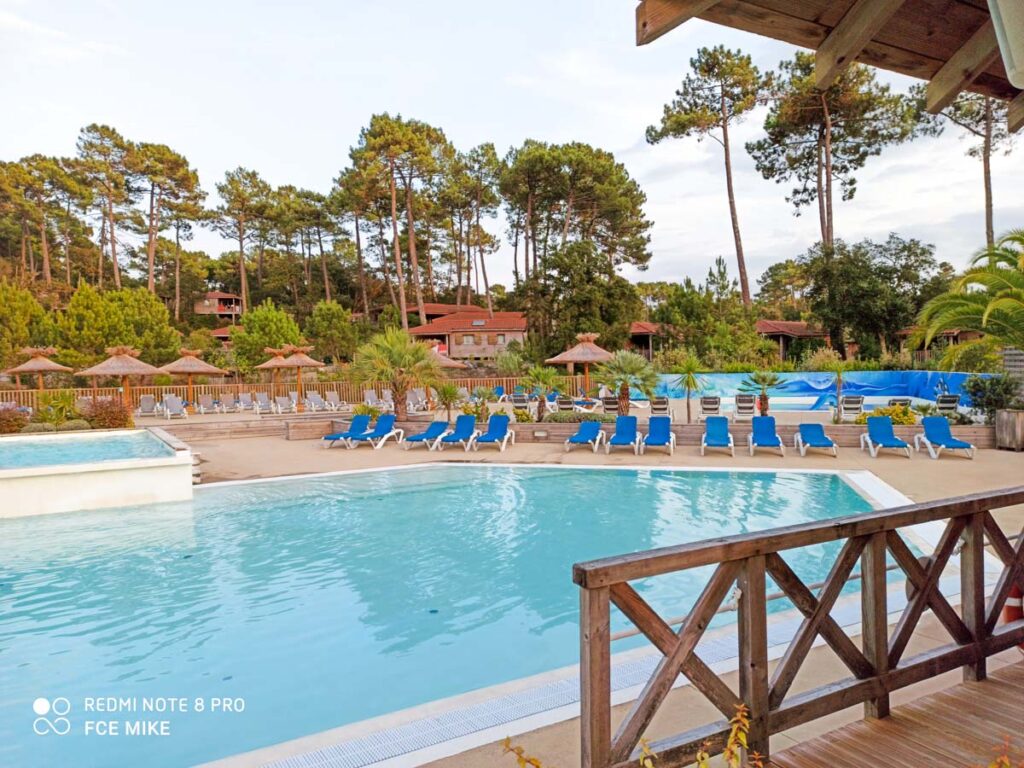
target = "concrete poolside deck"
x: 920, y: 479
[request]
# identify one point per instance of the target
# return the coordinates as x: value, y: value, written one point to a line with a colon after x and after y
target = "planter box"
x: 1010, y: 430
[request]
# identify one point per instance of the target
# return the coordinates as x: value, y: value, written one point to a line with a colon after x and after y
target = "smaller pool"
x: 80, y: 448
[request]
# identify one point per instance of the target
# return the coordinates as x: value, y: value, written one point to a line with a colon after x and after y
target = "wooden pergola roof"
x: 950, y: 43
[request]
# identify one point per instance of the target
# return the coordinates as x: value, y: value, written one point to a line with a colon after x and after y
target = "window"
x: 501, y: 338
x: 468, y: 339
x: 478, y: 323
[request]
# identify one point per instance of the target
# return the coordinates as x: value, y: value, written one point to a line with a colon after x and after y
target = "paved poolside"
x: 920, y: 479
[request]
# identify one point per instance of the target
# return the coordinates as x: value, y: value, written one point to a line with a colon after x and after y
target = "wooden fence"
x: 878, y: 666
x: 347, y: 391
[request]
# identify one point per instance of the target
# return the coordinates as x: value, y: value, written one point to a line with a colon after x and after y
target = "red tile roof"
x: 222, y: 333
x: 472, y: 321
x: 644, y: 328
x: 795, y: 328
x: 440, y: 308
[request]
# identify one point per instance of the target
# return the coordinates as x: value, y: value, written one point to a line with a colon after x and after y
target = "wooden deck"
x: 961, y: 726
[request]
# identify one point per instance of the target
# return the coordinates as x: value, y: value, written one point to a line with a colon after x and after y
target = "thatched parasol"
x: 190, y: 365
x: 122, y: 362
x: 585, y: 352
x: 39, y: 363
x: 298, y: 358
x: 446, y: 362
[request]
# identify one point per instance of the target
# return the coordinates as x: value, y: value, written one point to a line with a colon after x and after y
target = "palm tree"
x: 542, y: 380
x: 760, y: 382
x: 447, y: 397
x: 395, y: 357
x: 688, y: 370
x: 989, y: 298
x: 624, y: 372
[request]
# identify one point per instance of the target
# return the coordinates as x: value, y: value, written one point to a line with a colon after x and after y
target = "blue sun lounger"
x: 428, y: 437
x: 382, y: 430
x: 880, y: 435
x: 589, y: 433
x: 464, y: 432
x: 763, y: 435
x: 659, y: 435
x: 497, y: 434
x: 716, y: 435
x: 358, y: 426
x: 625, y: 435
x: 937, y: 436
x: 813, y: 436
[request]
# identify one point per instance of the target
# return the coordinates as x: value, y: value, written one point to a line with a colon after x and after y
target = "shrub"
x: 509, y: 363
x: 522, y: 416
x: 163, y: 380
x: 109, y: 414
x: 899, y: 414
x: 365, y: 410
x: 74, y: 425
x: 929, y: 409
x: 576, y: 417
x: 900, y: 361
x: 992, y: 394
x: 823, y: 359
x: 480, y: 410
x: 12, y: 418
x: 37, y: 427
x: 55, y: 408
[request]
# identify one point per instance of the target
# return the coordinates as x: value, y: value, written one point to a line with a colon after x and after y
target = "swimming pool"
x: 80, y: 448
x: 326, y: 600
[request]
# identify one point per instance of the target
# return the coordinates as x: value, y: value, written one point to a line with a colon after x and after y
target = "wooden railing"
x: 878, y: 666
x: 347, y: 391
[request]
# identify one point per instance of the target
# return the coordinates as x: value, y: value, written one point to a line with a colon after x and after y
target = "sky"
x: 284, y: 88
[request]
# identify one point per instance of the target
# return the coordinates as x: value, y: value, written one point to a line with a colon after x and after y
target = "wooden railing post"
x: 595, y: 678
x: 972, y: 590
x: 753, y: 651
x: 875, y: 615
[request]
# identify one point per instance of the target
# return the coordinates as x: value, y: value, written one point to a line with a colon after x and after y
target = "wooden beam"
x: 654, y: 18
x: 1015, y: 114
x: 973, y: 58
x: 862, y: 22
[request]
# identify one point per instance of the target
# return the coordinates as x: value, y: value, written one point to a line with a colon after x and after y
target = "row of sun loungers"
x: 936, y: 436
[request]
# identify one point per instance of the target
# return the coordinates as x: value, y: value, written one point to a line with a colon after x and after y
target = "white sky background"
x: 284, y: 88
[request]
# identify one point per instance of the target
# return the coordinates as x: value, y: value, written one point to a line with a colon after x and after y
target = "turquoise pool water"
x: 326, y: 600
x: 80, y: 449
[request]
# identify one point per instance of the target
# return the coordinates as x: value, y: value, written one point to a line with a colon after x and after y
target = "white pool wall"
x: 96, y: 485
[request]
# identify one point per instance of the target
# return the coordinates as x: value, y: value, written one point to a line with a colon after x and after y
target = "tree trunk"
x: 361, y: 270
x: 468, y: 260
x: 384, y: 264
x: 741, y: 262
x: 398, y: 248
x: 820, y: 186
x: 457, y: 252
x: 44, y: 246
x: 323, y: 264
x: 515, y: 253
x: 242, y: 276
x: 177, y: 273
x: 480, y: 254
x: 151, y: 240
x: 400, y: 394
x: 414, y: 264
x: 527, y: 232
x: 624, y: 399
x: 67, y: 243
x: 430, y: 266
x: 103, y: 246
x: 113, y: 242
x: 689, y: 419
x: 568, y: 218
x: 24, y: 249
x: 830, y: 239
x: 986, y: 164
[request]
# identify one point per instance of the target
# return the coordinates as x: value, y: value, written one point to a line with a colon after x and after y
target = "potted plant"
x: 759, y: 383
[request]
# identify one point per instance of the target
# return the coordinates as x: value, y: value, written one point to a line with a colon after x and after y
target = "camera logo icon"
x: 51, y: 716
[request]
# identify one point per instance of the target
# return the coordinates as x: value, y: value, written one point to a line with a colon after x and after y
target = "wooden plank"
x: 752, y: 625
x: 796, y: 652
x: 860, y: 23
x: 973, y: 58
x: 668, y: 669
x: 1015, y: 113
x: 915, y: 607
x: 595, y: 678
x: 663, y: 638
x: 875, y: 618
x: 653, y: 562
x: 682, y: 748
x: 1013, y: 559
x: 806, y: 602
x: 655, y: 18
x: 917, y: 577
x: 972, y: 588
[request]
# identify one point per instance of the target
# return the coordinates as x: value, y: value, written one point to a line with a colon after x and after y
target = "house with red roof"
x: 785, y: 332
x: 473, y: 334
